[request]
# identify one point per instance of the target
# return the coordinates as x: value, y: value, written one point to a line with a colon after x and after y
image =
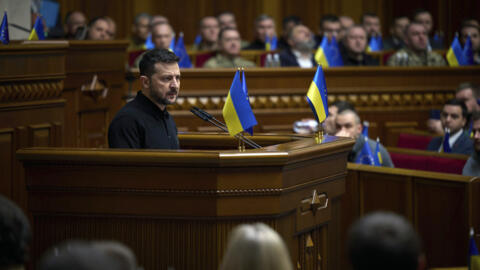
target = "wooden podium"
x: 176, y: 208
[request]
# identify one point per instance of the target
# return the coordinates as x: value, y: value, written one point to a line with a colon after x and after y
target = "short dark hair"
x: 15, y: 234
x: 419, y: 11
x: 383, y: 240
x: 78, y: 255
x: 475, y: 116
x: 368, y: 14
x: 458, y: 102
x: 94, y: 20
x: 292, y: 18
x: 396, y: 18
x: 223, y: 30
x: 263, y: 17
x: 150, y: 58
x: 470, y: 85
x: 343, y: 105
x: 328, y: 18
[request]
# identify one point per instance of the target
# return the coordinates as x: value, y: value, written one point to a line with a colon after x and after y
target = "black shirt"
x: 367, y: 60
x: 256, y: 45
x: 141, y: 124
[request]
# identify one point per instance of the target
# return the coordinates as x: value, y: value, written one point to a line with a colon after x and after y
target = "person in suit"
x: 453, y: 118
x: 425, y: 18
x: 264, y: 26
x: 472, y: 167
x: 355, y: 46
x: 299, y: 54
x: 397, y: 31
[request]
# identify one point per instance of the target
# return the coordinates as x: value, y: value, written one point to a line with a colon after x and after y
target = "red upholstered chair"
x: 133, y: 55
x: 387, y: 55
x: 201, y: 58
x: 445, y: 165
x: 407, y: 161
x: 413, y: 141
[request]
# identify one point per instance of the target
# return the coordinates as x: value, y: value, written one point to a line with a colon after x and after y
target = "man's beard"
x: 305, y: 46
x: 163, y: 100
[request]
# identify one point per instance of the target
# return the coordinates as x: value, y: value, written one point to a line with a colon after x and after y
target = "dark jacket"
x: 463, y: 145
x: 256, y: 45
x: 288, y: 59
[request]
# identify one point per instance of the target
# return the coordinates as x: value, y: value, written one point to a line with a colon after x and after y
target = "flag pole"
x: 319, y: 134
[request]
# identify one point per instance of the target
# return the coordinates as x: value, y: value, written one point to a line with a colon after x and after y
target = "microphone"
x: 205, y: 116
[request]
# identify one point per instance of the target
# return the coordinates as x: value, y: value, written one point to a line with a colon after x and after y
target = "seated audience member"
x: 15, y: 236
x: 470, y: 94
x: 454, y: 118
x: 397, y: 30
x: 354, y: 47
x: 371, y: 23
x: 228, y: 55
x: 345, y: 23
x: 112, y: 29
x: 140, y: 32
x: 159, y: 19
x: 264, y: 26
x: 474, y: 32
x: 79, y: 255
x: 329, y: 27
x: 256, y: 247
x: 287, y: 24
x: 300, y: 52
x: 333, y: 110
x: 162, y: 35
x: 97, y: 29
x: 73, y: 21
x: 208, y: 29
x: 384, y: 240
x: 348, y: 124
x: 415, y: 52
x: 472, y: 167
x: 424, y: 17
x: 434, y: 125
x: 226, y: 19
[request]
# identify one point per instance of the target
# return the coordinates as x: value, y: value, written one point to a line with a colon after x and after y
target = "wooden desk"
x: 31, y: 107
x: 442, y: 207
x: 176, y: 208
x: 389, y: 98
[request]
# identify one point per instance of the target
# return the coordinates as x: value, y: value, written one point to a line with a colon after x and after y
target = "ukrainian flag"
x: 468, y: 52
x: 455, y: 54
x: 377, y: 158
x: 271, y: 43
x: 473, y: 255
x: 237, y: 112
x: 328, y: 53
x: 37, y: 31
x: 317, y: 96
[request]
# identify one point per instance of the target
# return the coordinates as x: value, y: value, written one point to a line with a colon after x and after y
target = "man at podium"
x: 145, y: 122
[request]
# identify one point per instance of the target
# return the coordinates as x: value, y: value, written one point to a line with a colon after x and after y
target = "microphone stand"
x: 209, y: 118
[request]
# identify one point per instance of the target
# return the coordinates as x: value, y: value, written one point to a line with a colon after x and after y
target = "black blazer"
x: 463, y: 145
x: 288, y: 59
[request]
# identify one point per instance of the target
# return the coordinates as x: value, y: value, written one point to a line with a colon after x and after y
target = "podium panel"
x: 176, y: 208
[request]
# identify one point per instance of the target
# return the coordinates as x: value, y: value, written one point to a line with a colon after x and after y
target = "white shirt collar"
x: 303, y: 62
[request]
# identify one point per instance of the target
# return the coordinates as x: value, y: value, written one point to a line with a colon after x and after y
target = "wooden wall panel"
x: 7, y: 151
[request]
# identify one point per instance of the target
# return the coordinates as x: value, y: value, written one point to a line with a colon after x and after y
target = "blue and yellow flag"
x: 377, y: 158
x: 446, y: 142
x: 271, y: 43
x: 328, y: 53
x: 4, y: 36
x: 171, y: 47
x: 468, y: 52
x: 148, y: 43
x: 181, y: 52
x: 365, y: 156
x: 237, y: 112
x: 473, y: 255
x: 37, y: 31
x: 317, y: 96
x: 375, y: 44
x: 455, y: 54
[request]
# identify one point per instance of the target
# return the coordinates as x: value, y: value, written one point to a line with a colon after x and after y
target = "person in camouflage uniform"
x: 416, y: 53
x: 228, y: 56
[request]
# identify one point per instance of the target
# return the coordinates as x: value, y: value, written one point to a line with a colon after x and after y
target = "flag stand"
x: 319, y: 134
x: 241, y: 144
